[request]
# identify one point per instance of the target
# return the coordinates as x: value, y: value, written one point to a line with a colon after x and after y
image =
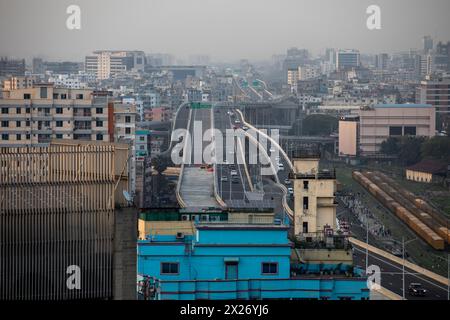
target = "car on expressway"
x: 416, y: 289
x: 233, y: 173
x: 224, y: 179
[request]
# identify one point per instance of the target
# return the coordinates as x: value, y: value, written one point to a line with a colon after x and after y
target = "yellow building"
x: 314, y: 204
x: 427, y: 171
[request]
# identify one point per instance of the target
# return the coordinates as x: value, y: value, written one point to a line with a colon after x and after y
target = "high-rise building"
x: 66, y: 67
x: 436, y: 92
x: 443, y: 55
x: 105, y: 64
x: 32, y: 116
x: 307, y: 72
x: 11, y: 67
x: 292, y: 77
x: 66, y: 230
x: 381, y: 61
x: 427, y: 42
x: 346, y: 59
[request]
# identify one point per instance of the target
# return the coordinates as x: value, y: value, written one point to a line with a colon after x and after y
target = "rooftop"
x: 429, y: 166
x: 405, y: 105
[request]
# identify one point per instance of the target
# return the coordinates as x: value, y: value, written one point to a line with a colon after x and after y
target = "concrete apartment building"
x: 314, y: 204
x: 124, y: 121
x: 12, y: 67
x: 14, y: 83
x: 35, y: 115
x: 308, y: 72
x: 436, y: 92
x: 107, y: 63
x: 347, y: 59
x: 292, y: 77
x: 63, y: 213
x: 377, y: 123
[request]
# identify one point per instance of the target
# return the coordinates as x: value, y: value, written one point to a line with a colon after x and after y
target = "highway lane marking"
x: 400, y: 268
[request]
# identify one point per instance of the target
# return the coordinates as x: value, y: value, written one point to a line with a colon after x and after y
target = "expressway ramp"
x: 197, y: 188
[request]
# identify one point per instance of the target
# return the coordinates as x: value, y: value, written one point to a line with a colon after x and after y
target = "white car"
x: 272, y: 150
x: 233, y: 172
x: 290, y: 191
x: 280, y: 167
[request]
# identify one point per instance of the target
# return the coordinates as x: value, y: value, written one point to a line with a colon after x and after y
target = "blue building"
x: 233, y: 261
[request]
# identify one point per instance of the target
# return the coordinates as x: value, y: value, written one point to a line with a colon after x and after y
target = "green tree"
x: 319, y: 124
x: 410, y: 147
x: 437, y: 148
x: 390, y: 146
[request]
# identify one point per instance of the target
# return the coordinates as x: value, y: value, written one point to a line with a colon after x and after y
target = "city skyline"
x: 224, y: 30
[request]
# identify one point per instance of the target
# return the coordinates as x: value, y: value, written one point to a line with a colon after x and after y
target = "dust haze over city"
x: 225, y: 150
x: 226, y: 30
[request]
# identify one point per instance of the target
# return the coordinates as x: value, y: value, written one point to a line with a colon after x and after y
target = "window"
x: 18, y: 137
x: 63, y: 96
x: 59, y: 136
x: 127, y: 130
x: 142, y: 138
x: 170, y: 268
x: 18, y: 124
x: 55, y: 96
x: 43, y: 92
x: 5, y: 124
x: 5, y: 136
x: 5, y: 110
x: 27, y: 110
x: 305, y: 203
x: 79, y: 96
x: 28, y: 136
x: 59, y: 110
x: 59, y: 123
x: 395, y: 131
x: 99, y: 123
x: 27, y: 123
x: 18, y: 110
x: 127, y: 119
x: 26, y: 96
x: 305, y: 227
x: 269, y: 268
x: 99, y: 137
x: 99, y: 110
x: 410, y: 131
x: 305, y: 185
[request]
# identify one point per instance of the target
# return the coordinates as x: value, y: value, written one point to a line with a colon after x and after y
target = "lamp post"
x: 403, y: 264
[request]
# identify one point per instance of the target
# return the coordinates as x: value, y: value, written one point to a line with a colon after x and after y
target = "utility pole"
x: 367, y: 242
x: 403, y: 268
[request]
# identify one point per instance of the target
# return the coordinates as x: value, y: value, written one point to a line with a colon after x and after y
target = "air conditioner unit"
x: 180, y: 235
x: 185, y: 217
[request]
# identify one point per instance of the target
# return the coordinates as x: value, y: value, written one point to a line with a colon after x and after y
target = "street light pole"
x: 403, y: 267
x: 367, y: 243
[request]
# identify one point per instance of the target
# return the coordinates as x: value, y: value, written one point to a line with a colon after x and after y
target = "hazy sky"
x: 223, y: 29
